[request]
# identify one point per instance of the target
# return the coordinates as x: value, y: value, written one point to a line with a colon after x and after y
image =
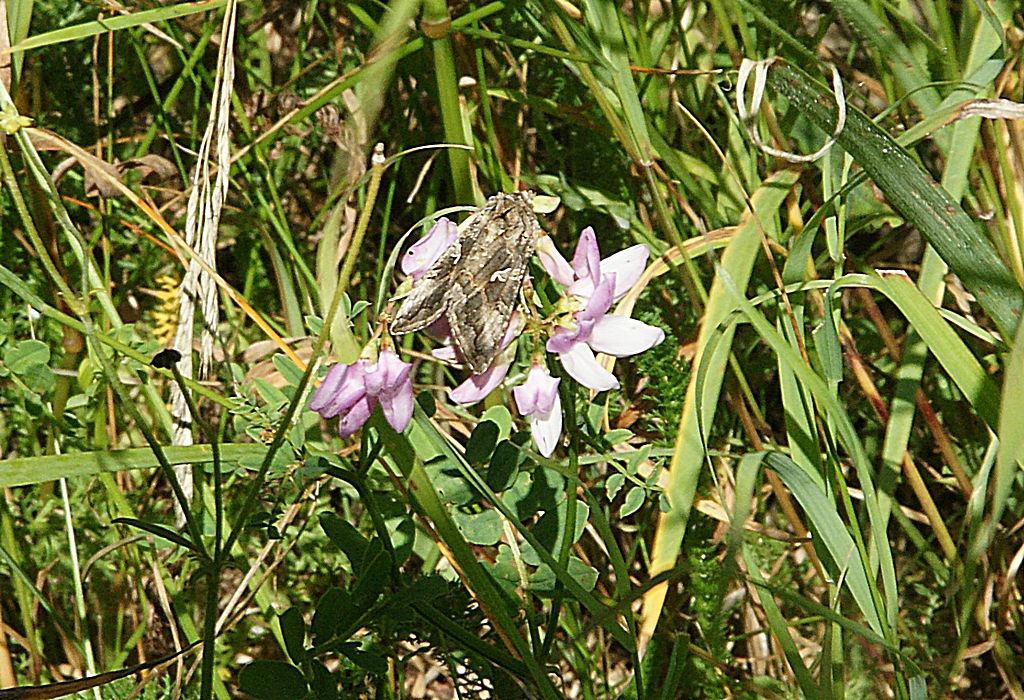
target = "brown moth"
x: 476, y: 282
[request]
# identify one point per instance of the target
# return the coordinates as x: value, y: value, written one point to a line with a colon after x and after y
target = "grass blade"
x: 916, y: 196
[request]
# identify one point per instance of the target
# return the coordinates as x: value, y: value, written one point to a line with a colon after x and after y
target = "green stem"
x: 256, y: 483
x: 437, y: 26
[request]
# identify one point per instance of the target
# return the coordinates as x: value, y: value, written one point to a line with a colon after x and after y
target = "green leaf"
x: 323, y: 684
x: 830, y: 533
x: 345, y: 537
x: 480, y: 528
x: 272, y: 680
x: 504, y: 467
x: 134, y: 19
x: 373, y: 575
x: 160, y: 531
x: 550, y: 530
x: 542, y: 581
x: 293, y: 632
x: 613, y: 484
x: 26, y: 354
x: 699, y: 408
x: 333, y: 609
x: 481, y: 443
x: 617, y: 436
x: 288, y: 369
x: 916, y: 196
x: 23, y: 471
x: 370, y: 661
x: 403, y: 536
x: 534, y: 491
x: 634, y: 499
x: 500, y: 416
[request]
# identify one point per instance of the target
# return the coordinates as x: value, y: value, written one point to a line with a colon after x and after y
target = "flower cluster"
x: 351, y: 392
x: 583, y: 326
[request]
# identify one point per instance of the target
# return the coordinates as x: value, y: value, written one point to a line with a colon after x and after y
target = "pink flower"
x: 537, y: 399
x: 351, y: 391
x: 592, y: 286
x: 426, y: 251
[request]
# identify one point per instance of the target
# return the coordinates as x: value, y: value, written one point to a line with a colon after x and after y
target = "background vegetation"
x: 811, y: 488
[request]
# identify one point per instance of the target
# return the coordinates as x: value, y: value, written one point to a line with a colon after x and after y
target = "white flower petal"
x: 580, y: 363
x: 627, y: 265
x: 546, y: 428
x: 538, y: 393
x: 622, y: 336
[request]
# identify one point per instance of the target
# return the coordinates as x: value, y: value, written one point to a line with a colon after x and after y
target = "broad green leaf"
x: 481, y: 443
x: 480, y: 528
x: 830, y: 532
x: 372, y: 576
x: 370, y: 661
x: 504, y: 467
x: 688, y: 452
x: 346, y: 538
x: 293, y: 631
x: 272, y: 680
x: 332, y: 611
x: 960, y: 242
x: 634, y: 499
x: 26, y: 354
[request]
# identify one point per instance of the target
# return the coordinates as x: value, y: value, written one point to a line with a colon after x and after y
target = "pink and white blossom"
x: 350, y: 392
x: 537, y: 399
x: 592, y: 286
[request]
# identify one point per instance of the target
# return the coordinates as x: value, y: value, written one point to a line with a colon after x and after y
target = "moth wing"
x: 427, y: 300
x: 485, y: 287
x: 476, y: 329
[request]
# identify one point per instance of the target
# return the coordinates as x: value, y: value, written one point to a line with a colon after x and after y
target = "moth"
x: 476, y: 281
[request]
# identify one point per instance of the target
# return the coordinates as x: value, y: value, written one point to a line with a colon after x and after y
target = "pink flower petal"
x: 582, y: 366
x: 562, y: 339
x: 478, y: 386
x: 586, y: 262
x: 553, y: 262
x: 627, y: 266
x: 329, y: 386
x: 350, y: 390
x: 390, y: 371
x: 356, y: 416
x: 398, y: 406
x: 515, y: 325
x: 600, y: 301
x: 426, y: 251
x: 546, y: 428
x: 538, y: 393
x: 621, y: 336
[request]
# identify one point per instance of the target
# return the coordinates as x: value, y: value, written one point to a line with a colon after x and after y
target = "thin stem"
x: 256, y: 483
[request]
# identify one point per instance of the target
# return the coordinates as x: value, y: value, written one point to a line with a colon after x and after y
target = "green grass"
x: 812, y: 488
